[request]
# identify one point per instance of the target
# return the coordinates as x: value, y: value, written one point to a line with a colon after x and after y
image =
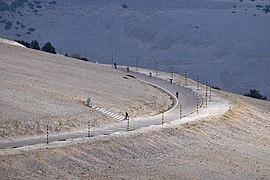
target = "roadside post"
x: 181, y: 109
x: 206, y: 89
x: 88, y: 133
x: 86, y: 54
x: 172, y: 72
x: 137, y: 64
x: 156, y: 68
x: 128, y: 124
x: 162, y: 118
x: 197, y: 83
x: 210, y: 94
x: 185, y: 78
x: 47, y: 135
x: 197, y: 106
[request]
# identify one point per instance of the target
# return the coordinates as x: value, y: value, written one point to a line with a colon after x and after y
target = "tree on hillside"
x: 48, y: 48
x: 77, y: 56
x: 215, y: 87
x: 35, y: 45
x: 255, y: 94
x: 25, y: 43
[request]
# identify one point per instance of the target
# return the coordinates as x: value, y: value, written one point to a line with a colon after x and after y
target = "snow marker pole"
x: 88, y: 134
x: 47, y: 135
x: 156, y: 68
x: 181, y: 109
x: 185, y: 78
x: 206, y: 89
x: 197, y: 83
x: 128, y: 124
x: 172, y: 72
x: 137, y: 63
x: 112, y: 60
x: 210, y: 94
x: 197, y: 106
x: 162, y: 118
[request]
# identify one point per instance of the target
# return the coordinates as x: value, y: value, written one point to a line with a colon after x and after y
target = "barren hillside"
x: 38, y: 88
x: 234, y: 145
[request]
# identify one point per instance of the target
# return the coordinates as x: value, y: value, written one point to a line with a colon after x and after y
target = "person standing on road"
x: 171, y: 80
x: 126, y: 116
x: 89, y: 102
x: 177, y: 94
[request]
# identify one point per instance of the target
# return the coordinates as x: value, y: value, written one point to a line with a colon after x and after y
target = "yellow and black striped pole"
x: 128, y: 126
x: 185, y: 78
x: 181, y: 109
x: 210, y: 94
x: 156, y: 68
x: 137, y: 63
x: 172, y: 72
x: 206, y: 89
x: 197, y: 106
x: 88, y: 133
x: 112, y: 60
x: 47, y: 135
x: 197, y: 83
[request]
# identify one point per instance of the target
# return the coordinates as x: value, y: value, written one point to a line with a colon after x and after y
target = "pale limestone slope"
x: 234, y: 145
x: 39, y: 88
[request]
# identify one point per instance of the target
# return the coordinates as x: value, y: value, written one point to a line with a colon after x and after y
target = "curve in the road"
x: 175, y: 100
x: 186, y: 98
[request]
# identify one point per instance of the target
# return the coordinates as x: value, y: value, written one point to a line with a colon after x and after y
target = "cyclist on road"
x: 126, y: 116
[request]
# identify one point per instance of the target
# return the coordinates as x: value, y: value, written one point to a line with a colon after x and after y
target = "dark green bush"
x: 255, y: 94
x: 35, y: 45
x: 215, y: 87
x: 77, y: 56
x: 49, y: 48
x: 25, y: 43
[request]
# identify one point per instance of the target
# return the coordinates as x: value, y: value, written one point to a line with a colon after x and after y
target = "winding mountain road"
x: 187, y: 99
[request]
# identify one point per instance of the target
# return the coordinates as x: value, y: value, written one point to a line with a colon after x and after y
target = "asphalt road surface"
x: 187, y: 99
